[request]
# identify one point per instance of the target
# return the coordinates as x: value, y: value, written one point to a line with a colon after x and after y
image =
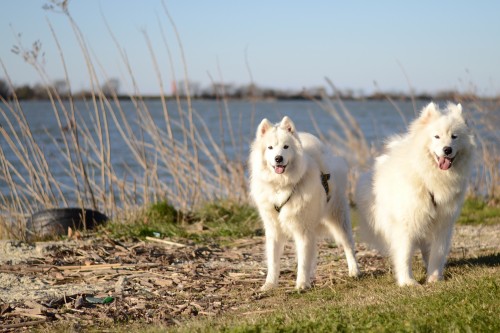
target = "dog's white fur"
x: 414, y: 194
x: 285, y: 171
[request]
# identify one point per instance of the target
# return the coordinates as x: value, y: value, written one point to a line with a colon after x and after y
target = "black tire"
x: 56, y: 221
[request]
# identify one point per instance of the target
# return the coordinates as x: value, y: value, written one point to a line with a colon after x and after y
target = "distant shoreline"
x: 291, y: 97
x: 60, y: 89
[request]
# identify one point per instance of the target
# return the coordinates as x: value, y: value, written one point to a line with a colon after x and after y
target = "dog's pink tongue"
x: 279, y: 169
x: 444, y: 163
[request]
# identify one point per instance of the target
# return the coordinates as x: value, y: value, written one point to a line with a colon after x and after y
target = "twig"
x: 164, y: 242
x: 249, y: 243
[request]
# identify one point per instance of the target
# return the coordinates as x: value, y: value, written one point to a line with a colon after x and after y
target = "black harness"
x: 433, y: 200
x: 278, y: 208
x: 325, y: 177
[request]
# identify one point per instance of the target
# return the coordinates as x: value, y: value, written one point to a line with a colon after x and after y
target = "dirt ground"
x: 100, y: 281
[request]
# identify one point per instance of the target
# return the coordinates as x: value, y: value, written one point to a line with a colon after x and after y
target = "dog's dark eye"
x: 285, y: 147
x: 453, y: 136
x: 270, y: 147
x: 436, y: 136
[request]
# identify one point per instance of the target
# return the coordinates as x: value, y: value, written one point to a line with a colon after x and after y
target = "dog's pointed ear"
x: 431, y: 111
x: 455, y: 109
x: 457, y: 112
x: 287, y: 124
x: 428, y: 114
x: 264, y: 126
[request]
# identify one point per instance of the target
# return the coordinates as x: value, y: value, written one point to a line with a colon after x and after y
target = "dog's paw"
x: 434, y: 278
x: 354, y: 272
x: 408, y: 282
x: 302, y: 286
x: 268, y: 286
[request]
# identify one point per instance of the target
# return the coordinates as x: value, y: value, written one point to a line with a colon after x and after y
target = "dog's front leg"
x: 275, y: 242
x: 402, y: 251
x: 438, y: 252
x: 305, y: 247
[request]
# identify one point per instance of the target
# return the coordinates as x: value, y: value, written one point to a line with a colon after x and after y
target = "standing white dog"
x: 300, y: 192
x: 414, y: 194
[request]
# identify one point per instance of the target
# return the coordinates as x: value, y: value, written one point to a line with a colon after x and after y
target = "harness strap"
x: 278, y: 208
x: 432, y: 199
x: 325, y: 177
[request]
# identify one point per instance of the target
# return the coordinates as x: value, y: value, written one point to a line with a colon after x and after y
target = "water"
x: 377, y: 120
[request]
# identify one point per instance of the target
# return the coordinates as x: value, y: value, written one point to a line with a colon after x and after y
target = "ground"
x: 150, y: 281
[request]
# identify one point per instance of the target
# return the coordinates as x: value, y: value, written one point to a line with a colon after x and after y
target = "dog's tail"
x: 365, y: 202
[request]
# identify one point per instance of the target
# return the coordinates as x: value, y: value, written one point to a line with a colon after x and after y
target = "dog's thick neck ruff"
x: 325, y: 177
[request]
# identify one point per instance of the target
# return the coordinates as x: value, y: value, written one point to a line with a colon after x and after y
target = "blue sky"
x: 430, y: 45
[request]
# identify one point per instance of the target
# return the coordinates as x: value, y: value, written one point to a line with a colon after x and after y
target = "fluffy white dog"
x: 300, y: 191
x: 416, y: 190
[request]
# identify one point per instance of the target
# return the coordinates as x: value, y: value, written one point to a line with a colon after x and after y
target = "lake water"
x: 377, y: 120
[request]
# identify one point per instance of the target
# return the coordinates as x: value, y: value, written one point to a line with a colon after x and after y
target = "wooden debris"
x: 164, y: 242
x: 157, y: 281
x: 23, y: 324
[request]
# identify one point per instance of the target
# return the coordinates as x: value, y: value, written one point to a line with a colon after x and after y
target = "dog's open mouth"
x: 279, y: 169
x: 444, y: 162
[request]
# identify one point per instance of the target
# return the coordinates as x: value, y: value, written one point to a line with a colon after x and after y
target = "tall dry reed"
x: 154, y: 153
x: 85, y: 152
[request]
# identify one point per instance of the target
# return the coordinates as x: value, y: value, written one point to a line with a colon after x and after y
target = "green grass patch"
x: 228, y: 219
x: 476, y: 211
x: 218, y: 219
x: 158, y: 220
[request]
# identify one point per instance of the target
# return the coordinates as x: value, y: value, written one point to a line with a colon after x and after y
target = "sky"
x: 364, y: 46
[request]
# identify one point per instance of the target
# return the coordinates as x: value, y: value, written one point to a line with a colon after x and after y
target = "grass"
x: 468, y: 303
x: 228, y: 219
x: 476, y: 211
x: 218, y: 220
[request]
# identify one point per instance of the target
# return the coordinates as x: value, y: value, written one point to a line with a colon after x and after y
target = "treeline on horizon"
x: 217, y: 91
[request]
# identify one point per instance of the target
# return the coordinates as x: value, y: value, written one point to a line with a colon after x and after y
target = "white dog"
x: 300, y: 192
x: 414, y: 194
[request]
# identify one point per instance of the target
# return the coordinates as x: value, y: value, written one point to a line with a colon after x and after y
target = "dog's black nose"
x: 447, y: 150
x: 278, y: 158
